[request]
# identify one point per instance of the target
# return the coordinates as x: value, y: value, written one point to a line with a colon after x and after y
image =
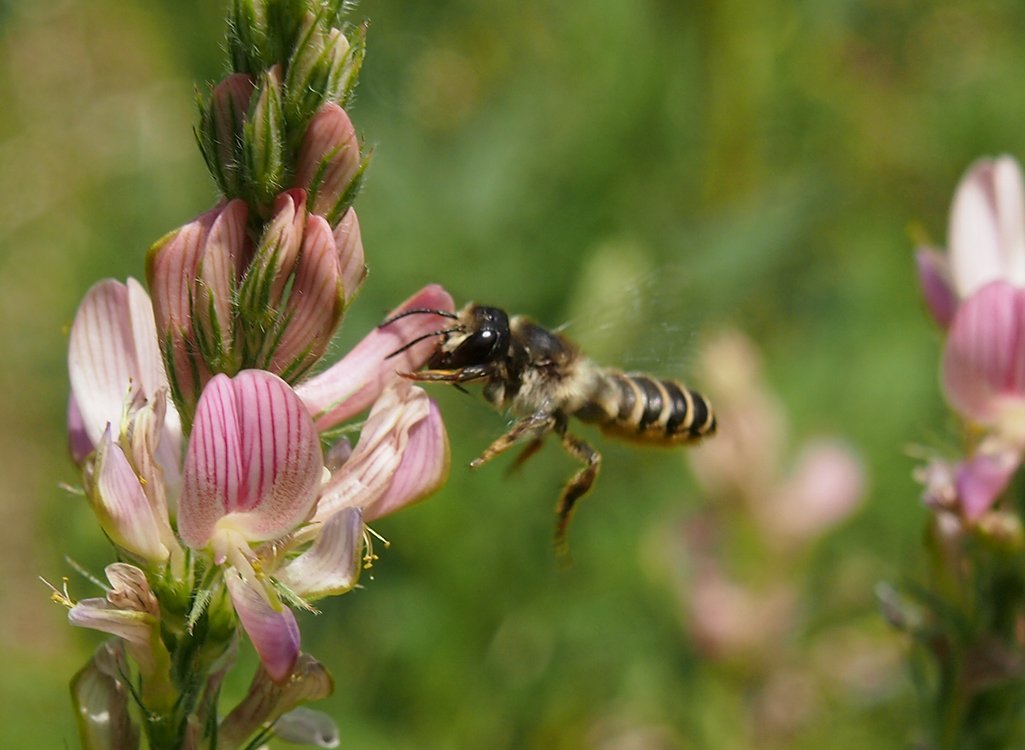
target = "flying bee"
x: 542, y: 377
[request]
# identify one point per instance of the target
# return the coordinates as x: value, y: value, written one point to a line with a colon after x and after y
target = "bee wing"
x: 629, y: 314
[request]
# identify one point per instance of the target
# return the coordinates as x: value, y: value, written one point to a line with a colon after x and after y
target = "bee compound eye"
x: 479, y: 347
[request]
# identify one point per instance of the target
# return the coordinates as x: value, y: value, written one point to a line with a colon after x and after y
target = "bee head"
x: 481, y: 337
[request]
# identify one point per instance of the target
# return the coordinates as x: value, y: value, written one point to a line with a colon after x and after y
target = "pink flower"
x: 978, y: 293
x: 986, y: 235
x: 253, y: 474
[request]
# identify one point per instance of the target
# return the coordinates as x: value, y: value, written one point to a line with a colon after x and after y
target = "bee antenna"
x: 419, y: 311
x: 418, y: 339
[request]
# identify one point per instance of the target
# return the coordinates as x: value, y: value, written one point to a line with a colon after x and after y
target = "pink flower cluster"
x: 976, y: 292
x: 250, y: 489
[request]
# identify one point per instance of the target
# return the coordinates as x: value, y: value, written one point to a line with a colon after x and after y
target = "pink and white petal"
x: 984, y: 359
x: 981, y: 479
x: 315, y: 304
x: 273, y: 632
x: 212, y: 479
x: 254, y: 461
x: 331, y: 565
x: 366, y: 477
x: 937, y: 288
x: 282, y: 459
x: 218, y: 271
x: 976, y: 256
x: 351, y: 262
x: 132, y: 626
x: 423, y: 469
x: 354, y: 383
x: 79, y: 444
x: 1009, y: 197
x: 145, y: 346
x: 101, y: 358
x: 122, y: 507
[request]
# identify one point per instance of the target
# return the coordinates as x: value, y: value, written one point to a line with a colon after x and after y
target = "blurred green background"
x: 774, y: 158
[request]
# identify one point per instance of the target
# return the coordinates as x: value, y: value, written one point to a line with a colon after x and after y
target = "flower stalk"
x: 209, y: 454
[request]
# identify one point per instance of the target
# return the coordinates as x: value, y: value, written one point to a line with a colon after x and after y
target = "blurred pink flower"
x: 826, y: 486
x: 986, y: 236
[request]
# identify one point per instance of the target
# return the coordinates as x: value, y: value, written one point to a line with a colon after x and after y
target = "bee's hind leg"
x: 578, y: 486
x: 536, y: 426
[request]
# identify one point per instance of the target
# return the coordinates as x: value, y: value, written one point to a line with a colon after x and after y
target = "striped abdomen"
x: 635, y: 406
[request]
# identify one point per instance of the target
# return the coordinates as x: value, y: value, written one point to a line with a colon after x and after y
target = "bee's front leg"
x: 462, y: 375
x: 535, y: 426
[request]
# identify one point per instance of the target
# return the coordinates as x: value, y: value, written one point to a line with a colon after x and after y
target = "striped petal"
x: 401, y: 456
x: 422, y: 470
x: 987, y: 226
x: 315, y: 304
x: 984, y: 359
x: 331, y: 566
x: 122, y: 507
x: 273, y: 632
x: 351, y: 261
x: 253, y: 463
x: 113, y: 357
x: 353, y: 383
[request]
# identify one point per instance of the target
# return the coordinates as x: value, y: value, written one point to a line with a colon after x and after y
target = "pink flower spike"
x: 330, y: 152
x: 273, y: 632
x: 987, y: 226
x: 934, y: 277
x: 984, y: 360
x: 394, y: 463
x: 981, y: 479
x: 352, y: 265
x: 331, y: 566
x: 124, y: 511
x: 112, y: 355
x: 353, y: 383
x: 253, y: 464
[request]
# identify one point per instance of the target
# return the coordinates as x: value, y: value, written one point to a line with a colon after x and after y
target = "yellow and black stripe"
x: 654, y: 411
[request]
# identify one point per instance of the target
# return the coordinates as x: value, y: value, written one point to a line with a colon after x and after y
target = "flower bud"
x: 266, y: 699
x: 315, y: 68
x: 193, y: 274
x: 264, y: 141
x: 329, y: 165
x: 101, y: 700
x: 221, y: 123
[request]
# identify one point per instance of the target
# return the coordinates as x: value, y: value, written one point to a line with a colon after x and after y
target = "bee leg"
x: 575, y: 488
x: 535, y: 425
x: 525, y: 455
x: 462, y: 375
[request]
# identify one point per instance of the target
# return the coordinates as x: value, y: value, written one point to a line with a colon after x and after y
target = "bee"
x: 542, y: 378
